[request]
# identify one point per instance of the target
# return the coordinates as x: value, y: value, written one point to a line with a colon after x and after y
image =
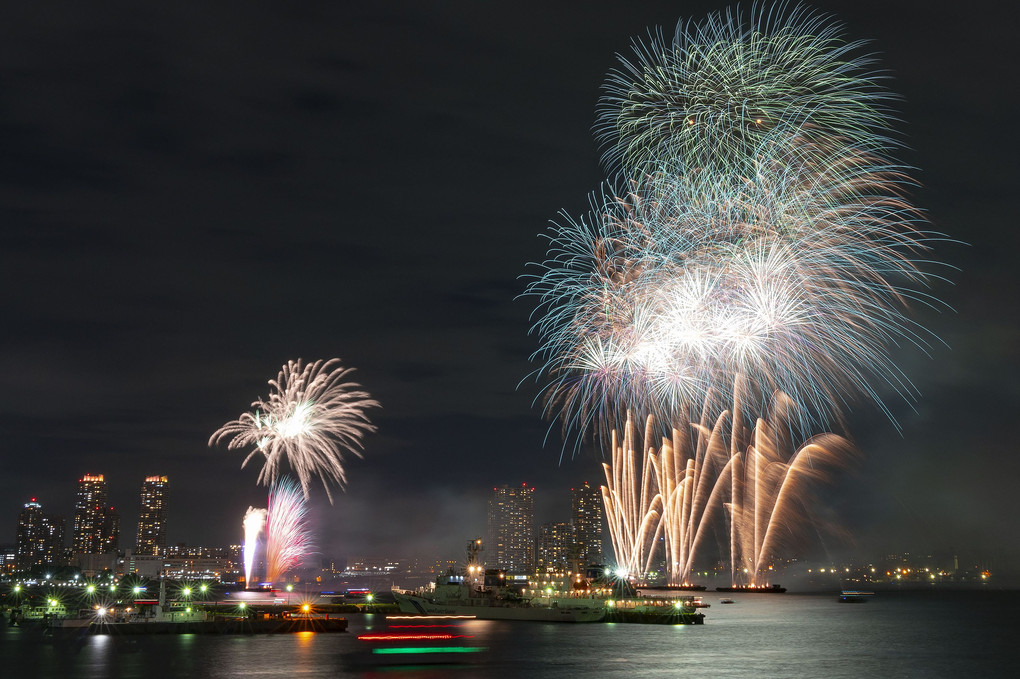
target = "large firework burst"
x: 704, y: 97
x: 760, y: 230
x: 794, y: 276
x: 312, y: 417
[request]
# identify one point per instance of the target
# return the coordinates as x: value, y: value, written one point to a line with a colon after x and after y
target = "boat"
x: 854, y: 596
x: 485, y: 594
x: 727, y: 601
x: 750, y: 589
x: 491, y: 599
x: 655, y: 610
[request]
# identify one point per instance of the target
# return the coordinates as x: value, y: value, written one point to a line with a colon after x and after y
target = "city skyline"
x: 189, y: 209
x: 585, y: 520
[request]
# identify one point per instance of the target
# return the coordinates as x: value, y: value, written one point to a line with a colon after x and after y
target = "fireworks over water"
x: 312, y: 417
x: 756, y: 246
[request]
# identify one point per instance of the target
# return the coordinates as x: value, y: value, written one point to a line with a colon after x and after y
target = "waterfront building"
x: 511, y: 543
x: 362, y: 565
x: 151, y: 537
x: 40, y: 538
x: 587, y: 516
x: 8, y: 559
x: 93, y: 565
x: 555, y: 544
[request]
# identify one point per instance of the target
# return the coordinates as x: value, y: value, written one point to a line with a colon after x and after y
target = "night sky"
x: 194, y: 193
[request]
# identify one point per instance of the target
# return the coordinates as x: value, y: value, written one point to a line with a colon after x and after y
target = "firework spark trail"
x: 705, y: 97
x: 287, y: 536
x: 311, y: 418
x: 254, y: 523
x: 749, y: 485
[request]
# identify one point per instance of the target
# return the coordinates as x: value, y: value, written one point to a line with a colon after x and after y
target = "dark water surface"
x: 908, y: 634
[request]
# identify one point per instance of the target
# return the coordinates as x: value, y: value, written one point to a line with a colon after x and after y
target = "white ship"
x: 486, y: 596
x: 454, y: 595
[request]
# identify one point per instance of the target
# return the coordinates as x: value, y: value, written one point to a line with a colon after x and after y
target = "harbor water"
x: 894, y: 634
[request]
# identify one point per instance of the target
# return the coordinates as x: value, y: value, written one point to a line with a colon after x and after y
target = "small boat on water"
x: 437, y: 640
x: 727, y: 601
x: 751, y: 589
x: 854, y: 596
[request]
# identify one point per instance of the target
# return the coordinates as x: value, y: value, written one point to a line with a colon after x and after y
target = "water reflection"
x: 789, y: 635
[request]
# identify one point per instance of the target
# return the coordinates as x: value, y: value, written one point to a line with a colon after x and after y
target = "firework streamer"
x: 287, y: 537
x: 747, y: 486
x: 254, y: 523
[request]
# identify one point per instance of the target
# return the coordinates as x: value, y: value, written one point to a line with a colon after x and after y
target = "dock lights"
x: 677, y: 605
x: 186, y: 591
x: 204, y: 588
x: 368, y: 598
x: 137, y: 589
x: 305, y: 608
x: 17, y: 588
x: 101, y: 612
x: 113, y: 587
x: 91, y: 589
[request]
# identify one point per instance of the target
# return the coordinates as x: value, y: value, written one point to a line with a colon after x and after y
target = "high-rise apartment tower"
x: 40, y: 538
x: 555, y: 542
x: 511, y: 529
x: 586, y: 515
x: 96, y: 525
x: 151, y: 538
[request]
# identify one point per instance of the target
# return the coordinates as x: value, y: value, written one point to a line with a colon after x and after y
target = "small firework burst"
x: 312, y: 417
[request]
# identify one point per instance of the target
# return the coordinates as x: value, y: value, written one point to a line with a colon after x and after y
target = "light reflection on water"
x: 894, y: 635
